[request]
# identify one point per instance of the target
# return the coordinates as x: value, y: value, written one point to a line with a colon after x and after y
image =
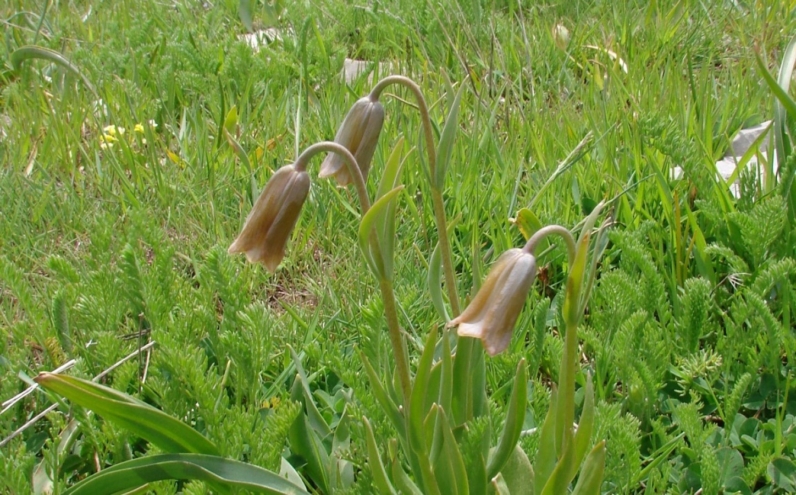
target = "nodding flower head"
x: 273, y: 217
x: 493, y: 312
x: 360, y: 134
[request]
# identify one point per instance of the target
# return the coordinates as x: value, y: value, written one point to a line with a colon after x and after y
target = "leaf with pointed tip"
x: 433, y: 434
x: 215, y: 470
x: 446, y: 374
x: 380, y: 478
x: 153, y: 425
x: 231, y: 119
x: 245, y: 13
x: 392, y: 170
x: 463, y: 391
x: 314, y: 416
x: 513, y: 425
x: 445, y: 146
x: 435, y: 283
x: 28, y: 52
x: 305, y: 442
x: 500, y: 486
x: 585, y: 426
x: 560, y: 477
x: 383, y: 398
x: 449, y: 466
x: 591, y: 475
x: 417, y: 411
x: 403, y: 481
x: 374, y: 218
x: 784, y: 104
x: 546, y: 456
x: 518, y: 473
x: 287, y: 471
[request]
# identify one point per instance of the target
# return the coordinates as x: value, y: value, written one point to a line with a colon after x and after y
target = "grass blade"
x: 445, y: 147
x: 29, y: 52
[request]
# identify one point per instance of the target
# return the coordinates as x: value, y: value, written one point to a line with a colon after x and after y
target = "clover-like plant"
x: 434, y: 409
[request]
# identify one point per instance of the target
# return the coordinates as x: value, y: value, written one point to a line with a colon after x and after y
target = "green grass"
x: 129, y: 243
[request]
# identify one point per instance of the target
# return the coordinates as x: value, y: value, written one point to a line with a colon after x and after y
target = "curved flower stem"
x: 331, y: 147
x: 565, y: 407
x: 385, y: 285
x: 536, y: 238
x: 436, y: 193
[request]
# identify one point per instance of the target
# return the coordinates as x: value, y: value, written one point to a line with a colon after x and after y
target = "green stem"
x: 436, y: 194
x: 447, y: 256
x: 565, y: 406
x: 396, y: 339
x: 536, y: 238
x: 353, y: 168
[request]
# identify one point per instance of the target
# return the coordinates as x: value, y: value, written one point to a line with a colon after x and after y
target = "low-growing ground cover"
x: 127, y: 174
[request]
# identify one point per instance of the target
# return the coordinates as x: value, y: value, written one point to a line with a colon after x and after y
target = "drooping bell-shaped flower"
x: 359, y: 133
x: 493, y: 312
x: 273, y: 217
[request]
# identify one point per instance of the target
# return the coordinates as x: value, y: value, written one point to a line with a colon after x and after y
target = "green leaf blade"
x: 153, y: 425
x: 216, y: 470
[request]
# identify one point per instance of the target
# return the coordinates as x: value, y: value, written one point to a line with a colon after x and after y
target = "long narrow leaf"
x: 784, y: 105
x: 28, y: 52
x: 591, y: 476
x: 445, y: 147
x: 574, y: 157
x: 387, y: 405
x: 784, y: 79
x: 217, y: 470
x: 449, y: 466
x: 513, y: 425
x: 462, y: 379
x: 380, y: 478
x: 304, y: 441
x: 560, y: 477
x: 392, y: 170
x: 153, y: 425
x: 585, y: 426
x: 403, y: 481
x: 435, y: 282
x: 546, y: 456
x: 316, y: 420
x: 418, y: 397
x: 369, y: 222
x: 446, y: 374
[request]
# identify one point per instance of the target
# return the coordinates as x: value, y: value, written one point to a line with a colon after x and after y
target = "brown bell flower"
x: 359, y: 133
x: 273, y: 217
x: 493, y: 312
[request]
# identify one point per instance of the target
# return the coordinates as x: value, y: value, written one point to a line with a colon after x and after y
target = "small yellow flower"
x: 112, y: 130
x: 493, y: 312
x: 360, y: 134
x: 138, y: 128
x: 273, y: 217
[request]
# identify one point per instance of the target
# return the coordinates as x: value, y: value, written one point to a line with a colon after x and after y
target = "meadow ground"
x: 128, y: 171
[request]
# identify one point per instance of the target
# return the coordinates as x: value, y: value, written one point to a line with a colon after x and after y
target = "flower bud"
x: 561, y: 36
x: 273, y: 217
x: 493, y: 312
x: 359, y: 133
